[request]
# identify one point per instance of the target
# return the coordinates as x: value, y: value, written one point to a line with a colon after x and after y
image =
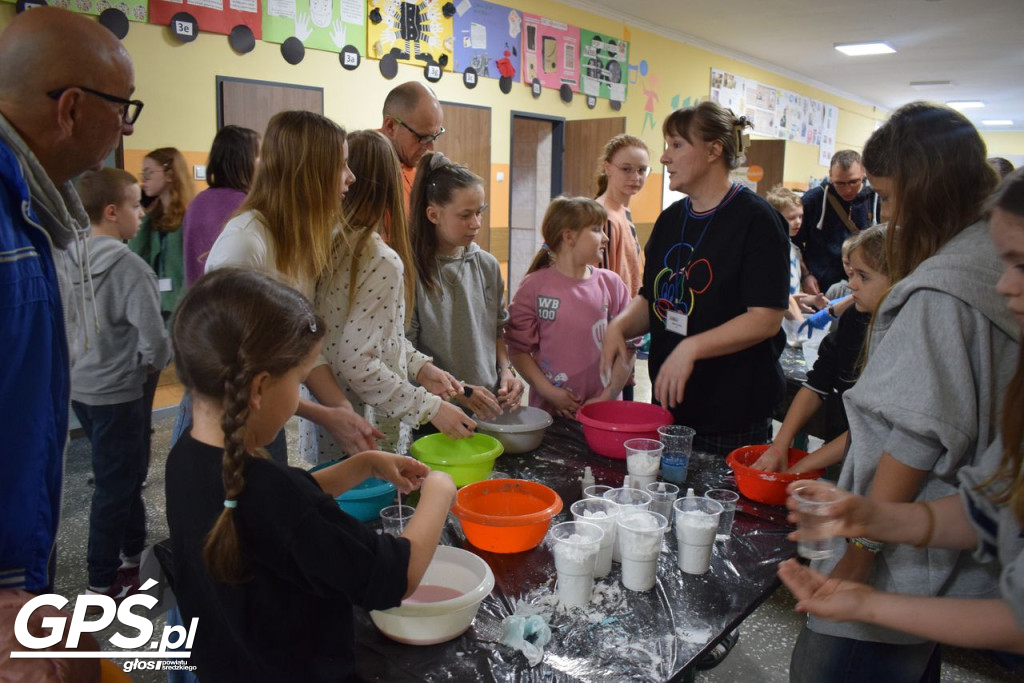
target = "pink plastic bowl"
x: 609, y: 424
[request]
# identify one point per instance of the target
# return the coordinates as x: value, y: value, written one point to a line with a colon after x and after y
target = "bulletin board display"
x: 212, y: 16
x: 604, y: 65
x: 135, y: 10
x: 417, y: 29
x: 550, y: 52
x: 487, y: 38
x: 320, y: 24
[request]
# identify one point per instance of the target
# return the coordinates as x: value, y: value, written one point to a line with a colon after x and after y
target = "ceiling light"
x: 997, y: 122
x: 931, y: 85
x: 960, y: 105
x: 861, y: 49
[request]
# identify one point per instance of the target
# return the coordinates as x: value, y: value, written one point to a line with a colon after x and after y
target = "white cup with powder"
x: 640, y: 533
x: 603, y: 514
x: 576, y: 545
x: 696, y: 526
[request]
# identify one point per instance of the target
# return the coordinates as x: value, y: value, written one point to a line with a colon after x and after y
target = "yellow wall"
x: 177, y: 83
x: 1008, y: 144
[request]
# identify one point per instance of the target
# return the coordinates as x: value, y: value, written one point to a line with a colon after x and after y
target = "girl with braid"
x: 262, y: 555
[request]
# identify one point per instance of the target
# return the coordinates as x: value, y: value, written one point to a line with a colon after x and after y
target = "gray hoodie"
x: 943, y: 348
x: 120, y: 333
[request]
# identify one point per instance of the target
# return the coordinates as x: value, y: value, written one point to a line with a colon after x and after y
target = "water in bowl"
x: 427, y: 593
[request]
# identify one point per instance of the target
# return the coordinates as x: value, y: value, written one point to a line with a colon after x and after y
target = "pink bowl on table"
x: 609, y: 424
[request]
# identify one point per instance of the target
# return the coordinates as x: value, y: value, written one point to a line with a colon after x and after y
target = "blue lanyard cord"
x: 711, y: 219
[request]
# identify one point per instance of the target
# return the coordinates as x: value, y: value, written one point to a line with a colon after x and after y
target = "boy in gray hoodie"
x: 117, y: 340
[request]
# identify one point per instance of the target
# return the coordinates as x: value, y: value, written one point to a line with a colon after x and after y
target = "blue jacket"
x: 34, y: 386
x: 823, y: 232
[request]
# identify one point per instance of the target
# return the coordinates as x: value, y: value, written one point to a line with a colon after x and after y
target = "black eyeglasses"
x: 130, y: 109
x: 421, y: 138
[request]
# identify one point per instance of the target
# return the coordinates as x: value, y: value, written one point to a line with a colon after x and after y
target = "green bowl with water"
x: 466, y: 460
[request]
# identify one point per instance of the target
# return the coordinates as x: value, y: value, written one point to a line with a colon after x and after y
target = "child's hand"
x: 406, y: 473
x: 774, y: 459
x: 564, y: 402
x: 438, y: 382
x: 479, y: 401
x: 832, y: 599
x: 350, y: 429
x: 852, y: 515
x: 452, y: 422
x: 809, y: 303
x: 439, y: 484
x: 510, y: 390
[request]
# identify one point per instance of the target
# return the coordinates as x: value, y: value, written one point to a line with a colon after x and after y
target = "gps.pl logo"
x: 172, y: 637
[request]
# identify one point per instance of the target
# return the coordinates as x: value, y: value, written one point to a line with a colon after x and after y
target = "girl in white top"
x: 365, y: 300
x: 285, y: 228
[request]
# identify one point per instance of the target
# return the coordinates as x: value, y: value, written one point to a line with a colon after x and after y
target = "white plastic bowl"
x: 518, y: 431
x: 436, y: 622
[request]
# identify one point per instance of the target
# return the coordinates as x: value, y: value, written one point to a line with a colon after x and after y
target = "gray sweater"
x: 120, y: 333
x: 943, y: 348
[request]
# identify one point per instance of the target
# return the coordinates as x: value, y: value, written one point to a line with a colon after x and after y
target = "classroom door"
x: 252, y: 104
x: 584, y: 143
x: 467, y: 140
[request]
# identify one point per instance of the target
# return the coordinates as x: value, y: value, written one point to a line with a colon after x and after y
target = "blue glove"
x: 816, y: 321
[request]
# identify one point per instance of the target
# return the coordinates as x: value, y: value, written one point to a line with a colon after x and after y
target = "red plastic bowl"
x: 609, y: 424
x: 765, y: 487
x: 506, y: 515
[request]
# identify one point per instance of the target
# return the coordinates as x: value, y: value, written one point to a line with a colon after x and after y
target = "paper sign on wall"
x: 487, y: 39
x: 320, y: 24
x: 550, y: 52
x: 604, y: 66
x: 417, y: 30
x: 213, y: 16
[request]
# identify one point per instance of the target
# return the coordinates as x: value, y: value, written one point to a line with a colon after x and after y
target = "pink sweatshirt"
x: 561, y: 322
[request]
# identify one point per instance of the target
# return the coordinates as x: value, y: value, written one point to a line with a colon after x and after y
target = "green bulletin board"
x: 320, y: 24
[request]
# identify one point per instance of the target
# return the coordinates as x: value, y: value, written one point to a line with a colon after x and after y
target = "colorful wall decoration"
x: 604, y: 66
x: 550, y: 52
x: 487, y: 38
x: 320, y: 24
x: 213, y: 16
x: 135, y: 10
x: 417, y: 32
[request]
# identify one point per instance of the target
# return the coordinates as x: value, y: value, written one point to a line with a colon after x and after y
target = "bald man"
x: 412, y: 122
x: 65, y: 84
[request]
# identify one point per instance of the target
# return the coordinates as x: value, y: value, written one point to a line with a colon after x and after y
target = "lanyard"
x: 682, y: 236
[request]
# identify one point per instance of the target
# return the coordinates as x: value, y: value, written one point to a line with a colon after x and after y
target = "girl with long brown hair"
x: 263, y: 556
x: 622, y: 171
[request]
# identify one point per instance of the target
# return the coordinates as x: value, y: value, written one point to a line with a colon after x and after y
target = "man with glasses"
x: 412, y: 122
x: 65, y: 89
x: 840, y: 207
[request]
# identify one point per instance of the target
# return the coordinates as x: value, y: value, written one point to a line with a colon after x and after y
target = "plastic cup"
x: 577, y: 545
x: 640, y: 533
x: 596, y: 491
x: 393, y: 518
x: 643, y: 460
x: 728, y: 500
x: 499, y: 475
x: 675, y: 459
x: 601, y: 512
x: 662, y: 497
x: 696, y: 526
x: 627, y: 497
x: 813, y: 522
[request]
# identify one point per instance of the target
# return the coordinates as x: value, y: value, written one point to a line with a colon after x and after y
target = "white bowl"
x: 518, y: 431
x: 428, y: 623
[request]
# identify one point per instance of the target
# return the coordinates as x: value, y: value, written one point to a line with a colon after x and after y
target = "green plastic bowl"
x: 466, y: 460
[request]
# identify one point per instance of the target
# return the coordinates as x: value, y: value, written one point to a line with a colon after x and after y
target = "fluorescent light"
x: 861, y: 49
x: 997, y: 122
x: 931, y: 85
x: 960, y: 105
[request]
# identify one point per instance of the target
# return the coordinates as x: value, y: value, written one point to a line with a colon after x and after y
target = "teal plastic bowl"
x: 466, y: 460
x: 365, y: 501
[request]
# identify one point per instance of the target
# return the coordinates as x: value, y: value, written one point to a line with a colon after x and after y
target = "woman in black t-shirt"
x: 715, y: 286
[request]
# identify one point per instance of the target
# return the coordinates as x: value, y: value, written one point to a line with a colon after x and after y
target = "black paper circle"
x: 115, y: 20
x: 23, y: 5
x: 443, y: 61
x: 448, y: 10
x: 432, y: 72
x: 293, y: 50
x: 505, y: 84
x: 241, y: 39
x: 469, y: 77
x: 565, y: 92
x: 350, y: 58
x: 389, y: 66
x: 375, y: 17
x: 535, y: 88
x: 591, y: 101
x: 616, y: 105
x: 184, y: 27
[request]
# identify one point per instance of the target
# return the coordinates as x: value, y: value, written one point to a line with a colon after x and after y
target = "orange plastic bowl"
x: 608, y: 425
x: 765, y: 487
x: 506, y: 515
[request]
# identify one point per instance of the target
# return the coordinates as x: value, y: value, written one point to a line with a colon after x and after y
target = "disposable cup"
x: 696, y: 525
x: 675, y: 459
x: 627, y: 497
x: 601, y: 512
x: 640, y: 533
x: 576, y: 546
x: 663, y: 495
x: 728, y: 500
x: 643, y: 460
x: 596, y: 491
x: 813, y: 521
x: 393, y: 518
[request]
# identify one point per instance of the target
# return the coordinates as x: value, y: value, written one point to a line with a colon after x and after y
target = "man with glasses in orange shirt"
x: 412, y: 122
x: 840, y: 207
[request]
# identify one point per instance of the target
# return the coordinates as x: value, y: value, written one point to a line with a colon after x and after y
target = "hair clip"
x: 545, y: 247
x: 231, y: 504
x: 312, y: 324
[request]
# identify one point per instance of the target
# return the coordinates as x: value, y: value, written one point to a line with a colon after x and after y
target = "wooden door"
x: 467, y: 140
x: 770, y: 155
x: 252, y: 103
x: 584, y: 143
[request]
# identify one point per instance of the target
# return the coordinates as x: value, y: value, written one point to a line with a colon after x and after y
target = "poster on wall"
x: 604, y: 66
x: 829, y: 128
x: 417, y: 31
x: 213, y: 16
x: 487, y: 38
x: 135, y: 10
x: 762, y: 101
x: 729, y: 90
x: 550, y: 53
x: 320, y: 24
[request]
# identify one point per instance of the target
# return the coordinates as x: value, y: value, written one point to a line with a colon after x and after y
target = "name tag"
x: 676, y: 321
x: 165, y: 284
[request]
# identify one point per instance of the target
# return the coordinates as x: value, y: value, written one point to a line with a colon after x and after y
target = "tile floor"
x: 762, y: 654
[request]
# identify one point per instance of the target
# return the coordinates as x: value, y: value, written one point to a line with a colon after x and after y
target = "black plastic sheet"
x: 655, y: 636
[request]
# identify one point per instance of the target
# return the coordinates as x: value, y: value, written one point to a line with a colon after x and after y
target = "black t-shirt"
x: 739, y: 258
x: 309, y: 562
x: 837, y: 366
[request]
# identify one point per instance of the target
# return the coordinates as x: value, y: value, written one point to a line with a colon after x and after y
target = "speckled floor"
x: 762, y: 655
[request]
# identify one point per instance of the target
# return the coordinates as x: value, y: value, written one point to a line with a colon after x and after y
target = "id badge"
x: 165, y: 284
x: 676, y: 321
